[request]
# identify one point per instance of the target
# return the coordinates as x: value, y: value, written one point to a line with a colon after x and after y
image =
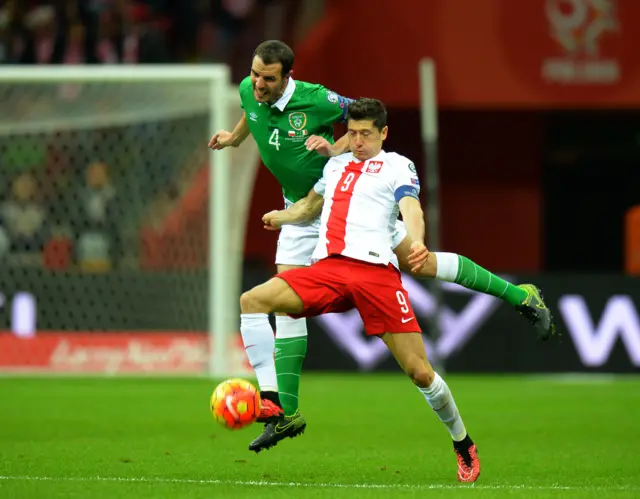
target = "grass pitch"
x: 368, y: 436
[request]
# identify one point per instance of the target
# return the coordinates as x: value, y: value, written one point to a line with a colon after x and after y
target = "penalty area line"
x: 319, y: 485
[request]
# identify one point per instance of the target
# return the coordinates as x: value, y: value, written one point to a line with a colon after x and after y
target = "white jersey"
x: 361, y: 205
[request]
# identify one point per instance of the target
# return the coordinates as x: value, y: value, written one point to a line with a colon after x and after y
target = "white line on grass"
x: 260, y: 483
x: 579, y: 378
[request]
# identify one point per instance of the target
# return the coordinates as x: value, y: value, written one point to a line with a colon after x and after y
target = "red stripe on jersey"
x: 337, y: 222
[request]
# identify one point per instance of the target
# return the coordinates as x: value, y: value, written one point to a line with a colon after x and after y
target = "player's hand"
x: 270, y: 220
x: 221, y: 140
x: 418, y: 256
x: 320, y: 145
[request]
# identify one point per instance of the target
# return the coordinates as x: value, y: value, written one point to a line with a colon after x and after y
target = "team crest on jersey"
x: 332, y: 97
x: 374, y: 166
x: 412, y: 167
x: 297, y: 120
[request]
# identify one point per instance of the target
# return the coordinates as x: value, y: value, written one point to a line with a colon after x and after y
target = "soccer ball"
x: 235, y: 403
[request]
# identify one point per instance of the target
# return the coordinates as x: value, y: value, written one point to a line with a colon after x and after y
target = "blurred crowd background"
x: 62, y: 191
x: 146, y: 31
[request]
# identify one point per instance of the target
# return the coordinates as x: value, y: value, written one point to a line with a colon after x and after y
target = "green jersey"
x: 281, y: 129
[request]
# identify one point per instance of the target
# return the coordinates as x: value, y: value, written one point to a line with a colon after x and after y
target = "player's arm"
x: 331, y: 108
x: 303, y: 210
x: 341, y: 146
x: 404, y: 251
x: 324, y: 148
x: 224, y: 138
x: 407, y: 189
x: 401, y: 244
x: 413, y: 217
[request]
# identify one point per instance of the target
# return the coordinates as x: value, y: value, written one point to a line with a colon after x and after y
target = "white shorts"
x: 296, y: 243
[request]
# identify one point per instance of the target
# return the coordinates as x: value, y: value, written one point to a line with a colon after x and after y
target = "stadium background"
x: 103, y: 252
x: 539, y: 147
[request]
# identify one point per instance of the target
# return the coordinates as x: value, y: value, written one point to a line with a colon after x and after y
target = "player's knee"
x: 250, y: 303
x: 421, y: 374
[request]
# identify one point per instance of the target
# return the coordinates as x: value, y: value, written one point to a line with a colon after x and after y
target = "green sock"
x: 290, y: 354
x: 473, y: 276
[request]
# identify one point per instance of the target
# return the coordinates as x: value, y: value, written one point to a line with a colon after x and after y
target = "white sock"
x: 441, y: 401
x: 447, y: 266
x: 288, y: 327
x: 259, y: 343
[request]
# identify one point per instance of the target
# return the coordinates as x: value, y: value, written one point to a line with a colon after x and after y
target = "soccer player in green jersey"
x: 292, y: 124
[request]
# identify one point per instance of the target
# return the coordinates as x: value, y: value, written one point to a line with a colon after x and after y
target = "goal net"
x: 120, y: 242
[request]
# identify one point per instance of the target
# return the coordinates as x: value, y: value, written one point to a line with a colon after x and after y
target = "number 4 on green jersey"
x: 281, y: 130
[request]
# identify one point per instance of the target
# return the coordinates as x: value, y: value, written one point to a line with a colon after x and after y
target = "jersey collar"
x: 282, y: 102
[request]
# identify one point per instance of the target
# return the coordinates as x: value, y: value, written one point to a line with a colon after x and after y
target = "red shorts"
x: 338, y: 284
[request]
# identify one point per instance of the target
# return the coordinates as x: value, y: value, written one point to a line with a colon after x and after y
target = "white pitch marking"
x: 260, y: 483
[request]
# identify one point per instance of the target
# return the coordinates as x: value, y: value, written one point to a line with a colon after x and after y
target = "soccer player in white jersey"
x: 274, y: 106
x: 359, y: 196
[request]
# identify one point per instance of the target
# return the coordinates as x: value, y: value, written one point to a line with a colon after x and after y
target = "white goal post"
x: 143, y: 95
x: 431, y: 173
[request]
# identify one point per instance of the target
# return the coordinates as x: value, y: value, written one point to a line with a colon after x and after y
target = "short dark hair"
x: 368, y: 109
x: 275, y: 51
